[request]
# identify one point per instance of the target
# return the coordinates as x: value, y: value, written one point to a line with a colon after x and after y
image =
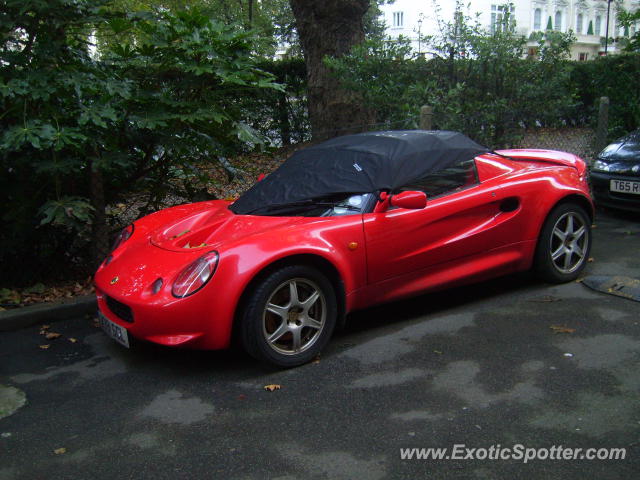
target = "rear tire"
x: 564, y: 244
x: 289, y: 316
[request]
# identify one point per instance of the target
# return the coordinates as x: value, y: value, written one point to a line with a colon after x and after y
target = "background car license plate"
x: 114, y: 330
x: 625, y: 186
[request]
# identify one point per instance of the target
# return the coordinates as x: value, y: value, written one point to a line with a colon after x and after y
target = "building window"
x: 537, y: 19
x: 398, y: 19
x: 558, y: 21
x: 579, y: 22
x: 583, y: 56
x: 598, y: 24
x: 500, y: 15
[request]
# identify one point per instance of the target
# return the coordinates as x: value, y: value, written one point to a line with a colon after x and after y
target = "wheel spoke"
x: 311, y: 323
x: 577, y: 249
x: 558, y: 253
x: 569, y: 228
x: 281, y: 330
x: 282, y: 312
x: 293, y: 294
x: 309, y: 302
x: 559, y: 233
x: 297, y: 340
x: 567, y: 260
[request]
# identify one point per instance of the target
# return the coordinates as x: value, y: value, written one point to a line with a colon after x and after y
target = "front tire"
x: 289, y: 317
x: 564, y: 244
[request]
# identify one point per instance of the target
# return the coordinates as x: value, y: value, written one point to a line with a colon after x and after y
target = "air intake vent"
x: 119, y: 309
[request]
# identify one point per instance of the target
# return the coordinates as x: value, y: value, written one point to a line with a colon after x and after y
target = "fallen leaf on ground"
x: 73, y: 340
x: 52, y: 335
x: 316, y: 360
x: 438, y: 352
x: 44, y: 347
x: 60, y: 451
x: 590, y: 260
x: 272, y: 387
x: 45, y: 327
x: 561, y: 329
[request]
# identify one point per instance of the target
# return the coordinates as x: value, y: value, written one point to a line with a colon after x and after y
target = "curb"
x: 26, y: 316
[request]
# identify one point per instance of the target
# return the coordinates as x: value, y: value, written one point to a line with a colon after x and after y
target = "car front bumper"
x: 600, y: 184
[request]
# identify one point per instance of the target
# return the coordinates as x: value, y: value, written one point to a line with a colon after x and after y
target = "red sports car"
x: 343, y: 225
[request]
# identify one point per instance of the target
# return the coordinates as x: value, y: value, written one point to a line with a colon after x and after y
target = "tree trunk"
x: 331, y: 28
x: 100, y: 232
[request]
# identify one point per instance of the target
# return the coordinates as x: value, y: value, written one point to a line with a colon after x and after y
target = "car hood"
x: 213, y: 225
x: 625, y: 150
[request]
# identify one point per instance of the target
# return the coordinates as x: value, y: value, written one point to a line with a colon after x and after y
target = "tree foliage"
x: 613, y: 76
x: 627, y: 19
x: 142, y: 114
x: 478, y: 82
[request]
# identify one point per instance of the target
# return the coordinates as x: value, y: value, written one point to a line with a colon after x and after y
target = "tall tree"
x: 331, y: 28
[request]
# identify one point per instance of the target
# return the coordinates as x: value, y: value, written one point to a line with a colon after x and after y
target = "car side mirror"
x: 412, y: 200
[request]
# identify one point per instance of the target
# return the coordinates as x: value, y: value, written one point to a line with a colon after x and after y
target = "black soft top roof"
x: 366, y: 162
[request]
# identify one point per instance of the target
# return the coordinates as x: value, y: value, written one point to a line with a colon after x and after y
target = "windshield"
x: 334, y: 206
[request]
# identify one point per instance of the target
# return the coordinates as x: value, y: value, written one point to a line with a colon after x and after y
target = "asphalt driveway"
x: 479, y: 366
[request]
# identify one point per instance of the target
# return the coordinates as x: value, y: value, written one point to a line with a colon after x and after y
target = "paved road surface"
x: 478, y: 366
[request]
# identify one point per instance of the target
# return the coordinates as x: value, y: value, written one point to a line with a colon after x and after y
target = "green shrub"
x: 79, y: 129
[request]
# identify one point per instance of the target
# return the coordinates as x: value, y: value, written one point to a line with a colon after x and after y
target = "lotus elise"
x: 343, y: 225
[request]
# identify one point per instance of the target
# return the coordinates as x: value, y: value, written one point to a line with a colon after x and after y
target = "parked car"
x: 352, y: 222
x: 615, y: 174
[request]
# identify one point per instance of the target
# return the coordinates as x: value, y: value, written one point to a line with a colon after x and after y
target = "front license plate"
x: 625, y: 186
x: 114, y: 330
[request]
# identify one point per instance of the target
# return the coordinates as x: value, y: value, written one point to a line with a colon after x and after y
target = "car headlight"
x: 122, y: 237
x: 195, y: 275
x: 600, y: 166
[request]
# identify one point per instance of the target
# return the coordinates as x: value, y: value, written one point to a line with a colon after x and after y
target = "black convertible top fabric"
x: 362, y: 163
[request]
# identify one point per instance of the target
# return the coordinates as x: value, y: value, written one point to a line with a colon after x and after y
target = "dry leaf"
x: 438, y: 352
x: 272, y: 387
x: 561, y: 329
x: 45, y: 327
x: 60, y: 451
x: 52, y: 335
x: 316, y: 360
x: 44, y: 347
x: 590, y: 260
x: 73, y: 340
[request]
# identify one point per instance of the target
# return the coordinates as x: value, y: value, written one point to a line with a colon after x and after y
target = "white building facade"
x: 587, y: 19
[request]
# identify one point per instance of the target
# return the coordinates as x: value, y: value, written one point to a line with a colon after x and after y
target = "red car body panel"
x: 481, y: 231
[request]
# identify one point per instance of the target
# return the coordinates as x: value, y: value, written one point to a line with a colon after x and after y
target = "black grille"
x: 120, y: 309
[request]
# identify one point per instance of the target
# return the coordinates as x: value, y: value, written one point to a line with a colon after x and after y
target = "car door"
x: 457, y: 222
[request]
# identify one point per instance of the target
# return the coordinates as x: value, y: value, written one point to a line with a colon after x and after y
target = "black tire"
x: 571, y: 252
x: 272, y: 334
